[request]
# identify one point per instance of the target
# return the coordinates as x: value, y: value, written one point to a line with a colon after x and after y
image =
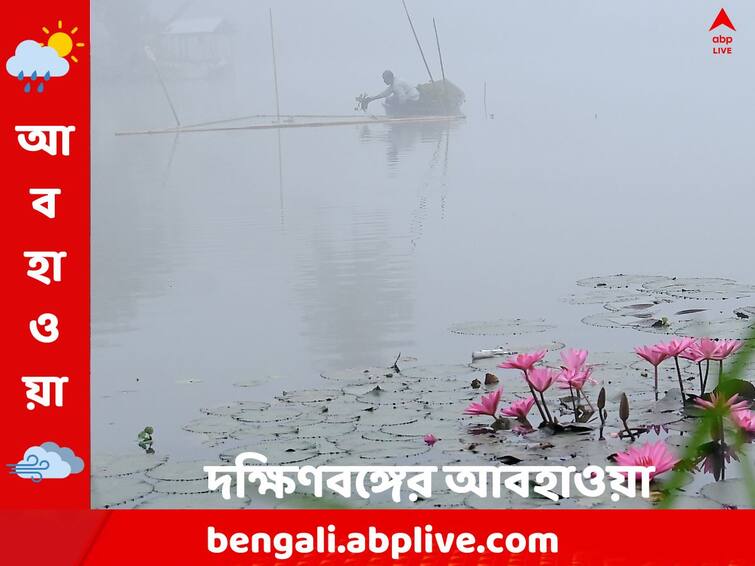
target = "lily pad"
x: 359, y: 375
x: 433, y: 372
x: 310, y: 395
x: 212, y: 500
x: 277, y: 413
x: 634, y: 305
x: 183, y: 487
x: 360, y: 389
x: 701, y: 288
x: 388, y: 415
x: 232, y: 408
x: 110, y: 492
x: 732, y: 492
x: 392, y: 452
x: 722, y: 328
x: 326, y: 430
x: 181, y: 471
x: 622, y: 281
x: 501, y: 327
x: 379, y: 396
x: 278, y: 453
x: 125, y: 465
x: 212, y: 424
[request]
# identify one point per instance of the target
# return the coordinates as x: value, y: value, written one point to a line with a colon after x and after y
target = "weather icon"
x: 34, y: 62
x: 47, y: 461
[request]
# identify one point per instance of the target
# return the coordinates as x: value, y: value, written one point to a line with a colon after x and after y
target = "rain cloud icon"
x: 32, y: 61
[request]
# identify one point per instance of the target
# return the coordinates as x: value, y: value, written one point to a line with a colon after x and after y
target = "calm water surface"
x: 261, y: 257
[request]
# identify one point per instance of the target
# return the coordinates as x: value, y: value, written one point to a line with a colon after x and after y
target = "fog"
x: 617, y: 143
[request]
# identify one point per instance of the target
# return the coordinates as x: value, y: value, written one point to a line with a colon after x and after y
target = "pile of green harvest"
x: 442, y: 96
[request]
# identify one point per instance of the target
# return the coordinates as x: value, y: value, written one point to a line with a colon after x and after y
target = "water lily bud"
x: 624, y: 407
x: 602, y: 398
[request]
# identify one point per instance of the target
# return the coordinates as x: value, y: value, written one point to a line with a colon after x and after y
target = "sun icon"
x: 62, y: 42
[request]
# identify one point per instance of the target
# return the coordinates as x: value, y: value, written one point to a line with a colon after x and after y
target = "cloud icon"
x: 33, y: 59
x: 47, y: 461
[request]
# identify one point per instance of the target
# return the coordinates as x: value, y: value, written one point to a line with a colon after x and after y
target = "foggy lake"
x: 233, y: 265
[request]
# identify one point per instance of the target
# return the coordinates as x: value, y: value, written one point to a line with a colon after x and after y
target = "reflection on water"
x: 401, y: 139
x: 269, y: 256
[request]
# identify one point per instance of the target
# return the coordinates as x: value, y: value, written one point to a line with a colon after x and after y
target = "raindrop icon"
x: 27, y: 87
x: 34, y: 76
x: 41, y: 87
x: 20, y: 76
x: 47, y: 76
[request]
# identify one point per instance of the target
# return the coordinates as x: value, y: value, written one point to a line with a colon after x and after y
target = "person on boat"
x: 399, y: 93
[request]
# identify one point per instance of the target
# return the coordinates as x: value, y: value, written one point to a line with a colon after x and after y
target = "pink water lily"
x: 522, y: 429
x: 524, y: 361
x: 703, y: 349
x: 655, y: 357
x: 744, y: 419
x: 519, y: 409
x: 692, y: 355
x: 488, y: 404
x: 712, y: 462
x: 652, y: 454
x: 571, y: 379
x: 542, y: 378
x: 721, y: 402
x: 672, y: 350
x: 430, y: 439
x: 651, y: 354
x: 573, y: 359
x: 727, y: 348
x: 674, y: 347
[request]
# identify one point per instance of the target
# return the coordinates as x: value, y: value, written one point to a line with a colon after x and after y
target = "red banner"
x: 45, y: 253
x: 617, y: 538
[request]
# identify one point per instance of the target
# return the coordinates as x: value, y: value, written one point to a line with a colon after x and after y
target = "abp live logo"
x: 722, y: 44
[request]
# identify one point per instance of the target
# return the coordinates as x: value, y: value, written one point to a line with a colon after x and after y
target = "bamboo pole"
x: 408, y: 120
x: 275, y: 67
x: 421, y: 52
x: 440, y: 54
x: 485, y: 98
x: 442, y: 68
x: 151, y: 56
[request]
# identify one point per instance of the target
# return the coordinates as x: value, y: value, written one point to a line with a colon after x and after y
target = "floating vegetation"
x: 731, y: 493
x: 121, y: 466
x: 213, y: 424
x: 700, y: 288
x: 212, y: 500
x: 656, y: 305
x: 110, y: 492
x: 545, y: 405
x: 501, y: 327
x: 622, y: 281
x: 439, y: 371
x: 359, y: 375
x: 145, y: 440
x: 277, y: 413
x: 309, y: 395
x: 235, y: 407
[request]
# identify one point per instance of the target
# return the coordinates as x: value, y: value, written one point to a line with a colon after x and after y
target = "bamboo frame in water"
x: 359, y: 121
